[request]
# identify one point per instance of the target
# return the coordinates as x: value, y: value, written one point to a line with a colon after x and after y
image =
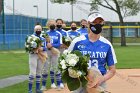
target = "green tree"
x: 123, y: 8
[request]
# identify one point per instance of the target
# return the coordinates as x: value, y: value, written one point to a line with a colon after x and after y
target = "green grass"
x: 21, y: 88
x: 12, y: 64
x: 17, y: 63
x: 18, y: 88
x: 128, y: 57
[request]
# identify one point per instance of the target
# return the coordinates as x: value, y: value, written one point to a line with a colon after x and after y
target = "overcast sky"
x: 63, y: 11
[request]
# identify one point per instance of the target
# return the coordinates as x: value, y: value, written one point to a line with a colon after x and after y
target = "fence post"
x: 111, y: 34
x: 3, y: 21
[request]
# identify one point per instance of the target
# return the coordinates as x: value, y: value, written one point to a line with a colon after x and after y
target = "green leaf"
x: 78, y: 53
x: 73, y: 83
x: 65, y: 76
x: 83, y: 80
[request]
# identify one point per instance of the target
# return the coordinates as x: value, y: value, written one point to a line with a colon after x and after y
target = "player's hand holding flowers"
x: 33, y: 45
x: 53, y: 50
x: 73, y: 66
x: 95, y: 78
x: 66, y: 41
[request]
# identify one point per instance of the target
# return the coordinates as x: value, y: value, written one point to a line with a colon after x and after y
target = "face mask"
x: 83, y: 26
x: 52, y: 27
x: 73, y: 28
x: 96, y: 29
x: 38, y: 32
x: 59, y: 26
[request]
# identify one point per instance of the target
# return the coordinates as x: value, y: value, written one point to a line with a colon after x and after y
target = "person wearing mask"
x: 59, y: 27
x: 73, y: 32
x: 52, y: 62
x: 83, y: 29
x: 102, y: 55
x: 35, y: 63
x: 59, y: 24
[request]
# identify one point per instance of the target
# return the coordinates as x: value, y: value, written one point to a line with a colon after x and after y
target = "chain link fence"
x: 17, y: 27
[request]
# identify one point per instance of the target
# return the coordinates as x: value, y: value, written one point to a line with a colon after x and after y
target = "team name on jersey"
x: 96, y: 54
x: 54, y: 37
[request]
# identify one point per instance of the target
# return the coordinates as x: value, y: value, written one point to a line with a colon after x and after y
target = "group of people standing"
x: 41, y: 70
x: 87, y: 39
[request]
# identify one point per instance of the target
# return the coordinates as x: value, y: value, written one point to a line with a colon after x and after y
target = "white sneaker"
x: 61, y: 85
x: 53, y: 85
x: 43, y: 88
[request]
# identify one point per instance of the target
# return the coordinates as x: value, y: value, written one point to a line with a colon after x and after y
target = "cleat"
x: 53, y: 86
x: 43, y: 88
x: 61, y: 85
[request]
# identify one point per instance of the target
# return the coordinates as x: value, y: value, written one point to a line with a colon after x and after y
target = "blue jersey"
x: 82, y: 31
x: 73, y: 34
x: 101, y: 52
x: 56, y: 38
x: 63, y: 32
x: 44, y: 43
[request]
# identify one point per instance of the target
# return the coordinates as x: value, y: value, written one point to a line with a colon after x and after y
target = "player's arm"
x: 49, y: 45
x: 111, y: 61
x: 43, y: 47
x: 111, y: 72
x: 107, y: 76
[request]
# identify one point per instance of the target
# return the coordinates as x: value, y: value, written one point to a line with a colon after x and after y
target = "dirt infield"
x: 125, y: 81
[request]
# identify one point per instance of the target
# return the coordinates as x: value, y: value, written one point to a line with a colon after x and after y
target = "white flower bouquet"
x: 73, y: 66
x: 32, y: 43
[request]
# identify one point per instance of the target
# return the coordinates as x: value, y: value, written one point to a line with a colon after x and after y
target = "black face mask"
x: 59, y: 26
x: 83, y: 26
x: 96, y: 29
x: 38, y: 32
x: 73, y: 28
x: 52, y: 27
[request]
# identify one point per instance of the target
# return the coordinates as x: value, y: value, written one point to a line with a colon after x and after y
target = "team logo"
x: 81, y: 46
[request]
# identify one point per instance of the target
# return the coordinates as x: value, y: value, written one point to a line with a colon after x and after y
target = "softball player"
x: 100, y: 50
x: 73, y: 32
x: 83, y: 29
x: 35, y: 64
x: 52, y: 63
x: 59, y: 23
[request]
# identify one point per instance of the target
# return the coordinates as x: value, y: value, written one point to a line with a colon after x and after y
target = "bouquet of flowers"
x: 46, y: 36
x: 32, y: 45
x: 66, y: 41
x: 73, y: 66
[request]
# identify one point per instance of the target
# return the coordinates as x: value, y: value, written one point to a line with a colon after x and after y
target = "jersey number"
x: 93, y: 63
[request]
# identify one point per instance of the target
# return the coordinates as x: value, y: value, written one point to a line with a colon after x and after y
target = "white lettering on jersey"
x: 95, y: 54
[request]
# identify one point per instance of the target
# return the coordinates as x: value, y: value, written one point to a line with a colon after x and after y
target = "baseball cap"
x: 92, y: 16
